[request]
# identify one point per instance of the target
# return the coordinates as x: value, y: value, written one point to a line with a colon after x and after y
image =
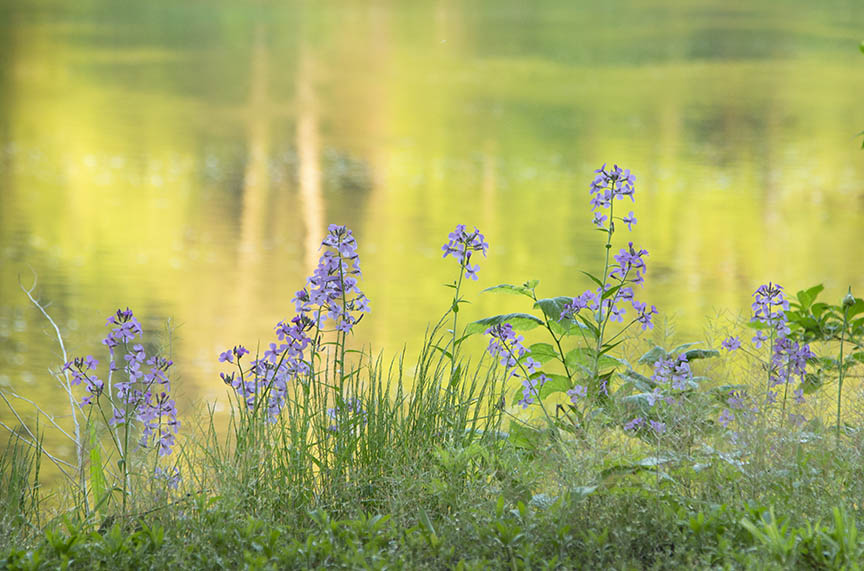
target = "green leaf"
x: 513, y: 289
x: 653, y: 355
x: 553, y: 306
x: 97, y: 476
x: 568, y: 327
x: 857, y: 356
x: 818, y: 308
x: 681, y: 347
x: 593, y: 279
x: 519, y: 322
x: 856, y: 308
x: 524, y: 436
x: 555, y: 384
x: 583, y: 491
x: 701, y: 354
x: 444, y: 351
x: 861, y: 47
x: 638, y: 404
x: 542, y: 352
x: 641, y: 382
x: 807, y: 297
x: 583, y: 358
x: 610, y: 292
x: 812, y: 383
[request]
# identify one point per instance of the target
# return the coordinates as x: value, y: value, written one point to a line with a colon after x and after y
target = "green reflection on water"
x: 184, y: 158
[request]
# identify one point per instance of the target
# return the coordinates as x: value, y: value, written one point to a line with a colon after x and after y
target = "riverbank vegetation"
x: 563, y: 439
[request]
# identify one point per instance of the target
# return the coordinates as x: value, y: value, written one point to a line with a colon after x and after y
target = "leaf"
x: 818, y: 308
x: 807, y: 297
x: 641, y: 382
x: 593, y: 279
x: 584, y: 358
x: 524, y: 436
x: 519, y: 322
x: 681, y: 347
x: 856, y: 308
x: 812, y: 383
x: 639, y: 404
x: 568, y: 327
x: 553, y: 306
x: 542, y: 352
x: 653, y: 355
x: 97, y: 475
x: 555, y: 384
x: 701, y: 354
x: 513, y: 289
x: 610, y: 292
x: 445, y: 352
x: 583, y: 491
x: 861, y: 47
x: 857, y: 356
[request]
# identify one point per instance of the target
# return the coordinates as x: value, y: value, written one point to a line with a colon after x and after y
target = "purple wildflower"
x: 577, y: 392
x: 644, y: 314
x: 731, y: 343
x: 799, y: 396
x: 608, y: 185
x: 770, y: 307
x: 759, y: 338
x: 634, y: 424
x: 735, y: 400
x: 631, y: 266
x: 726, y: 417
x: 629, y: 220
x: 587, y: 300
x: 332, y: 291
x: 674, y: 371
x: 170, y: 477
x: 599, y: 219
x: 461, y: 244
x: 659, y: 427
x: 265, y: 382
x: 530, y: 388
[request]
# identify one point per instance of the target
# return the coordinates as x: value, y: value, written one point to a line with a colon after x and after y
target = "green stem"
x: 601, y: 325
x: 455, y: 309
x: 840, y: 384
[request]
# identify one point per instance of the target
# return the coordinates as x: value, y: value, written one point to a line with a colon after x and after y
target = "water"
x: 185, y: 158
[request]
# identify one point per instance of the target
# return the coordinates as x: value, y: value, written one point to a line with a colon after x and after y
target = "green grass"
x: 430, y: 480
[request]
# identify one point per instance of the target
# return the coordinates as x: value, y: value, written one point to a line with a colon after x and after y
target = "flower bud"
x: 848, y: 300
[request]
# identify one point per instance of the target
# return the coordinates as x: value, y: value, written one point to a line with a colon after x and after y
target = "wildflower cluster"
x: 673, y: 372
x: 788, y: 358
x: 142, y: 394
x: 332, y: 291
x: 264, y: 383
x: 672, y: 375
x: 507, y: 346
x: 638, y: 422
x: 608, y: 185
x: 629, y: 268
x: 462, y: 244
x: 78, y: 367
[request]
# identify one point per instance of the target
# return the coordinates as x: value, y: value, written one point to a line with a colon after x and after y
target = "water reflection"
x: 185, y: 160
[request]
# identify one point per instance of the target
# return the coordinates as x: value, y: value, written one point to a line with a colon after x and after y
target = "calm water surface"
x: 184, y: 159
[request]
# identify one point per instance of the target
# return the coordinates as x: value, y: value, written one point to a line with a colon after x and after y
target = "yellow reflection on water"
x: 193, y: 179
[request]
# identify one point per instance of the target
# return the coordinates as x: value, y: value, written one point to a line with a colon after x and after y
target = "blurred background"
x: 184, y: 158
